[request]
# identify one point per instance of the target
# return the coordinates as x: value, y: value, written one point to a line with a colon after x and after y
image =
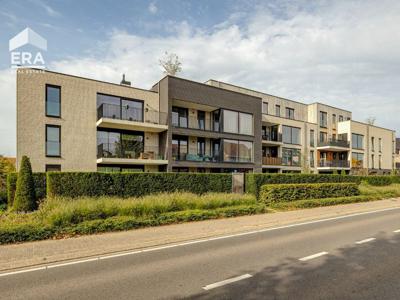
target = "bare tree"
x: 171, y: 64
x: 370, y: 120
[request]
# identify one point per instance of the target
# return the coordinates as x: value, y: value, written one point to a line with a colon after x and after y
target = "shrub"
x: 255, y: 181
x: 379, y: 180
x: 291, y: 192
x: 76, y: 184
x: 39, y: 180
x: 3, y: 198
x: 25, y: 191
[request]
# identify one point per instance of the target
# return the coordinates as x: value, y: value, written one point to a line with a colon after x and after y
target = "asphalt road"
x: 355, y: 257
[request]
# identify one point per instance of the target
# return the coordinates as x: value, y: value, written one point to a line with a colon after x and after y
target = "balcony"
x: 334, y: 164
x: 357, y: 164
x: 272, y: 161
x: 274, y: 137
x: 130, y: 118
x: 117, y: 153
x: 334, y: 144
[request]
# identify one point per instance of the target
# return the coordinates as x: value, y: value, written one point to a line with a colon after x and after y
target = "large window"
x: 312, y: 159
x: 115, y: 107
x: 291, y: 135
x: 334, y: 120
x: 290, y: 157
x: 201, y: 119
x: 380, y: 145
x: 357, y: 141
x: 53, y: 101
x: 179, y: 117
x: 323, y: 119
x: 237, y: 122
x: 312, y: 139
x: 289, y: 113
x: 120, y: 144
x: 53, y: 140
x: 372, y: 143
x: 216, y: 120
x: 179, y: 147
x: 323, y: 137
x: 237, y: 151
x: 357, y: 160
x: 201, y: 146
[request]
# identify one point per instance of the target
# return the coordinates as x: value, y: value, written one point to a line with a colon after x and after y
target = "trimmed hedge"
x: 77, y: 184
x: 254, y: 182
x: 292, y: 192
x: 39, y: 180
x: 381, y: 180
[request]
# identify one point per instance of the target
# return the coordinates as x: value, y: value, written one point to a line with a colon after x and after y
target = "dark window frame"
x: 46, y: 96
x: 288, y: 113
x: 121, y: 98
x: 323, y: 124
x: 276, y: 109
x: 52, y: 166
x: 59, y: 139
x: 291, y: 135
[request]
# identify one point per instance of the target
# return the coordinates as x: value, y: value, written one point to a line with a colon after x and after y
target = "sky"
x: 342, y: 53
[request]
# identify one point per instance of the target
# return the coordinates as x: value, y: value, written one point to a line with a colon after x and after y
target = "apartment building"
x: 71, y: 123
x: 397, y: 155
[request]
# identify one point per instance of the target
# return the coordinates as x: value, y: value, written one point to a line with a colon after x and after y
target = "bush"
x: 291, y: 192
x: 255, y: 181
x: 25, y: 199
x: 379, y: 180
x: 77, y: 184
x: 39, y: 180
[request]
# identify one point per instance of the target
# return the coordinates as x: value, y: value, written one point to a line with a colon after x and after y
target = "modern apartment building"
x: 70, y: 123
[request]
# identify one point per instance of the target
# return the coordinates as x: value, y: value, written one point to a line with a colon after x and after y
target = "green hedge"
x: 76, y: 184
x: 39, y: 182
x: 381, y: 180
x: 292, y: 192
x: 255, y: 181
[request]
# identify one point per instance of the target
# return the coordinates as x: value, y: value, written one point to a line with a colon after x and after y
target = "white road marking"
x: 313, y: 256
x: 365, y: 241
x: 110, y: 256
x: 227, y: 281
x: 397, y: 231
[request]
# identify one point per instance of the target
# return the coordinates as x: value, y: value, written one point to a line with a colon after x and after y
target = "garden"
x: 65, y: 204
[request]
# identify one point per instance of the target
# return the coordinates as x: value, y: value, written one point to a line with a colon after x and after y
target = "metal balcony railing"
x: 334, y: 164
x: 272, y: 161
x: 273, y: 137
x: 334, y: 143
x: 126, y: 112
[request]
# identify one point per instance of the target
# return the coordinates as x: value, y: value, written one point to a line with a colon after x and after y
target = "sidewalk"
x: 50, y: 251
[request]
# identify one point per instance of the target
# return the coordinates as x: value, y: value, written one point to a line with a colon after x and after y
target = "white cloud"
x: 153, y: 8
x: 340, y: 53
x: 49, y: 10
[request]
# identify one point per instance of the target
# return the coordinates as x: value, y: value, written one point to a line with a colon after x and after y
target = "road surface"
x: 352, y: 257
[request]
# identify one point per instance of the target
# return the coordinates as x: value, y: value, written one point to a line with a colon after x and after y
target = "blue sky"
x: 343, y: 53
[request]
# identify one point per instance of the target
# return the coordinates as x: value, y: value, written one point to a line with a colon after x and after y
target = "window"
x: 340, y: 118
x: 53, y: 140
x: 290, y: 157
x: 334, y: 120
x: 357, y: 160
x: 179, y: 147
x: 201, y: 119
x: 216, y: 120
x: 265, y: 108
x: 380, y: 162
x: 312, y: 159
x: 348, y: 118
x: 291, y: 135
x: 278, y: 110
x: 235, y: 122
x: 372, y: 143
x: 53, y: 101
x: 289, y: 113
x: 237, y: 151
x: 179, y: 117
x: 334, y: 136
x: 312, y: 138
x: 323, y: 119
x: 120, y: 144
x: 380, y: 145
x: 53, y: 168
x: 357, y: 141
x: 372, y: 161
x: 201, y: 146
x: 323, y: 137
x: 115, y: 107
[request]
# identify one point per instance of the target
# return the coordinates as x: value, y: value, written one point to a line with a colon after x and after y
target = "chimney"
x: 124, y: 82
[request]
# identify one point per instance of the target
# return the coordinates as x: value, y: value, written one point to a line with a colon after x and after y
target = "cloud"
x: 153, y: 8
x: 340, y: 53
x: 49, y: 10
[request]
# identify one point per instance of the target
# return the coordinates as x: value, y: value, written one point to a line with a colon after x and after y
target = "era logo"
x: 27, y: 38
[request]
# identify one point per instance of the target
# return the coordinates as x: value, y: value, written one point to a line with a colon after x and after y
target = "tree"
x: 6, y: 166
x: 170, y: 63
x: 25, y: 193
x: 370, y: 120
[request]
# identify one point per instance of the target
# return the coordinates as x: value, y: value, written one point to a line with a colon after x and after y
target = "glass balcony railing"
x: 116, y: 150
x: 334, y: 164
x: 334, y: 143
x: 126, y: 112
x: 273, y: 137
